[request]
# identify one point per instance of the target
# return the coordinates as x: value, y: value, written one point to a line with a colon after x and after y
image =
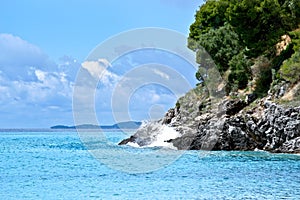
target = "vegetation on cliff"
x: 252, y: 42
x: 290, y: 69
x: 249, y: 49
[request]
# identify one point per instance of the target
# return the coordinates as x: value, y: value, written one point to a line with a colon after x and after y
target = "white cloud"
x: 18, y: 56
x: 99, y: 71
x: 31, y: 84
x: 33, y: 88
x: 69, y: 66
x: 14, y: 46
x: 40, y: 75
x: 50, y: 87
x: 104, y: 62
x: 155, y: 98
x: 161, y: 74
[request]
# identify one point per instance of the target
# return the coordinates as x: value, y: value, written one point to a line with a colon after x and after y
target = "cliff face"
x: 202, y: 122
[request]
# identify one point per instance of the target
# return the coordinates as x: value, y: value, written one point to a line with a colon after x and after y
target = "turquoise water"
x: 55, y: 165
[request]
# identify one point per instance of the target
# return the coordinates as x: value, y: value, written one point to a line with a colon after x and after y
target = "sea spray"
x: 166, y: 133
x: 154, y: 135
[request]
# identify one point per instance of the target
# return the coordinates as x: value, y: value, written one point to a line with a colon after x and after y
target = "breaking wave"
x: 154, y: 135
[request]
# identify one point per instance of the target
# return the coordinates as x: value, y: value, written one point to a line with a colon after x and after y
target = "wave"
x: 154, y: 135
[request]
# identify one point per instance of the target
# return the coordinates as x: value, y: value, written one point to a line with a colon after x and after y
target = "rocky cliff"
x: 237, y: 122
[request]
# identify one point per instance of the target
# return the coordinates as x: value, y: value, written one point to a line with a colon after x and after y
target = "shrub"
x: 290, y: 70
x: 262, y: 72
x: 240, y: 71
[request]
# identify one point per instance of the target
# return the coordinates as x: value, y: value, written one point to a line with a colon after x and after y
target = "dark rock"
x: 169, y: 116
x: 229, y: 124
x: 126, y: 141
x: 182, y: 143
x: 250, y: 98
x: 231, y: 107
x: 291, y: 146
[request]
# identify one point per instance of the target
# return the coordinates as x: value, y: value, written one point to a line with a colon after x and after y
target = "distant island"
x: 121, y: 125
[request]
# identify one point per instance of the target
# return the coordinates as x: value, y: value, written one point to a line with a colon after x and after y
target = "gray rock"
x: 228, y: 124
x: 291, y: 146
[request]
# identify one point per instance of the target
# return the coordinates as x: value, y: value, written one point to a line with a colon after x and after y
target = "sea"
x: 48, y: 164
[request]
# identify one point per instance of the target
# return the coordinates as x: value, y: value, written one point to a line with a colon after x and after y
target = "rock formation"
x: 209, y: 123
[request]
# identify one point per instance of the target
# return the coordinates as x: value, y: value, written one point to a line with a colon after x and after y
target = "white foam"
x: 260, y: 150
x: 164, y: 134
x: 132, y: 144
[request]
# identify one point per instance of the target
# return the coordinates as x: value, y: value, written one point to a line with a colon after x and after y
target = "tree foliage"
x: 290, y: 70
x: 234, y: 32
x: 221, y: 43
x: 211, y: 15
x: 240, y: 71
x: 260, y: 23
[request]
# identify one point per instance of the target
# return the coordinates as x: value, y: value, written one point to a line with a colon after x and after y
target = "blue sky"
x: 44, y: 43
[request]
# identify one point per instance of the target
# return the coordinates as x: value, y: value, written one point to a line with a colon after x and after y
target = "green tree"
x: 290, y: 13
x: 260, y: 23
x: 234, y: 32
x: 240, y: 71
x: 211, y: 15
x: 222, y: 44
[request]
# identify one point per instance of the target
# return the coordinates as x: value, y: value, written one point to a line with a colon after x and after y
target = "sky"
x: 44, y: 44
